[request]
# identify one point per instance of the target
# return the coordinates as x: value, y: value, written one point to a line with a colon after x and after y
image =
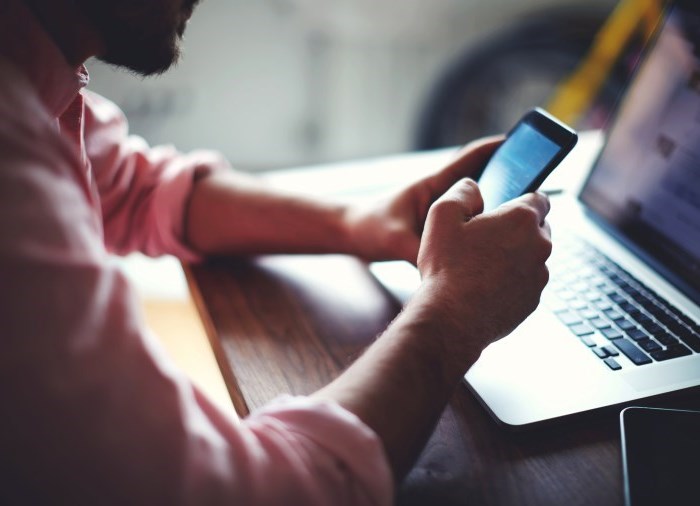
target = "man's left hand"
x: 391, y: 230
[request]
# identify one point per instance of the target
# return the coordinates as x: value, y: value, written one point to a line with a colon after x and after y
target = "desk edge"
x: 234, y: 389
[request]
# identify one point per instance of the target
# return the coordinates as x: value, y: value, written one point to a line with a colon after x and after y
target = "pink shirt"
x: 93, y: 412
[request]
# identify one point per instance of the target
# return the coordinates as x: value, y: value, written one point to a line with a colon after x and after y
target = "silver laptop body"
x: 638, y: 219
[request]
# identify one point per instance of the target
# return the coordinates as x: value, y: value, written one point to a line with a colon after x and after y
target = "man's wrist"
x: 446, y: 333
x: 357, y: 240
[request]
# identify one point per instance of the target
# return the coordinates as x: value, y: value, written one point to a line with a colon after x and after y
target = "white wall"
x: 274, y: 83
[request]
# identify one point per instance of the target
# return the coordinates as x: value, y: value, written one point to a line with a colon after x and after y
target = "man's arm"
x: 159, y: 201
x: 231, y: 212
x: 482, y: 275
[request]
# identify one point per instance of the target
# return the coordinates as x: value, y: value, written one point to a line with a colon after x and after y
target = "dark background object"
x: 491, y: 84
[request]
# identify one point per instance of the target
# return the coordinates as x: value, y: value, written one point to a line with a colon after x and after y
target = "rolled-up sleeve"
x: 309, y: 436
x: 94, y: 412
x: 144, y: 191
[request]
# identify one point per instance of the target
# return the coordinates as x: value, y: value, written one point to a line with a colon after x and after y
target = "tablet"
x: 660, y: 455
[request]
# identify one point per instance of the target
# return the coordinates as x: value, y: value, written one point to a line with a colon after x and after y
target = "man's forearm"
x: 402, y: 383
x: 233, y: 213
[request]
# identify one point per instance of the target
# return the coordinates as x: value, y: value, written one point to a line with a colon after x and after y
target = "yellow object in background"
x: 577, y: 93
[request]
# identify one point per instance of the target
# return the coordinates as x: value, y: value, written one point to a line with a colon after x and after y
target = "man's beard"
x: 142, y: 41
x: 145, y: 57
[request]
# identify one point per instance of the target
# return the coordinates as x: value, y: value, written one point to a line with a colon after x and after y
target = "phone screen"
x: 532, y: 149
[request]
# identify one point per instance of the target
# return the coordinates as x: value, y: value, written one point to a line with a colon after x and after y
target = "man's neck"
x: 68, y: 27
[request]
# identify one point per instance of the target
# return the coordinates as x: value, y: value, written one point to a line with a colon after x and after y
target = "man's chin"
x: 144, y: 63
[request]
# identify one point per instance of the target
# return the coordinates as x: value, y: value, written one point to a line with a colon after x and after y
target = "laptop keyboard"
x: 613, y: 313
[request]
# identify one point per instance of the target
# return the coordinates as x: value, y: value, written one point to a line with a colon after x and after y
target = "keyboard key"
x: 627, y: 306
x: 690, y: 338
x: 608, y: 289
x: 658, y: 312
x: 681, y: 316
x: 612, y: 364
x: 578, y: 304
x: 588, y: 313
x: 632, y: 292
x: 568, y: 317
x: 600, y: 352
x: 667, y: 318
x: 674, y: 351
x: 599, y: 323
x: 616, y: 279
x: 611, y: 333
x: 603, y: 305
x: 597, y: 280
x: 588, y: 340
x: 581, y: 329
x: 637, y: 334
x: 592, y: 296
x: 648, y: 345
x: 611, y: 351
x: 652, y: 327
x: 613, y: 314
x: 637, y: 356
x: 677, y: 327
x: 617, y: 298
x: 640, y: 317
x: 665, y: 338
x: 625, y: 324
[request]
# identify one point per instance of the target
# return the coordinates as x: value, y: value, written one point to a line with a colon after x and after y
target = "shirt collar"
x: 27, y: 45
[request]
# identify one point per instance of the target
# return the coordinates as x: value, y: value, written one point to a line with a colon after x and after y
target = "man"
x: 93, y: 412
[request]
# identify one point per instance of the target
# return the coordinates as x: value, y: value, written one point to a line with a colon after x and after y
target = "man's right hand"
x: 482, y: 273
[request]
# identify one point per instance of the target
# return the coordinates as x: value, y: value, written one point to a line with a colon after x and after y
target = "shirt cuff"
x: 340, y: 433
x: 172, y: 200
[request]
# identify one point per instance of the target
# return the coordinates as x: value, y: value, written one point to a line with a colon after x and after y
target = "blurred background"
x: 283, y: 83
x: 288, y: 83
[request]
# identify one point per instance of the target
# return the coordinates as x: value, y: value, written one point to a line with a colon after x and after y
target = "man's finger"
x: 537, y: 201
x: 461, y: 201
x: 469, y: 162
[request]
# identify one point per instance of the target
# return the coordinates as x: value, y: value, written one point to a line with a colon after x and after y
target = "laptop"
x: 620, y: 319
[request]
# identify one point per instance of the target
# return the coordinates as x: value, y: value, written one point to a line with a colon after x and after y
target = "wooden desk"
x: 285, y: 324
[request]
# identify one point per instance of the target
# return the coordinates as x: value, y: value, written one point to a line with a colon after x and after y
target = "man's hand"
x: 482, y: 273
x: 392, y: 229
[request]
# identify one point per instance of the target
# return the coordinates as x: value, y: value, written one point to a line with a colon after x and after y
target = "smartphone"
x: 531, y: 151
x: 660, y: 451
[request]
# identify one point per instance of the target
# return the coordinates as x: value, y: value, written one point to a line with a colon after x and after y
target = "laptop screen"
x: 646, y: 183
